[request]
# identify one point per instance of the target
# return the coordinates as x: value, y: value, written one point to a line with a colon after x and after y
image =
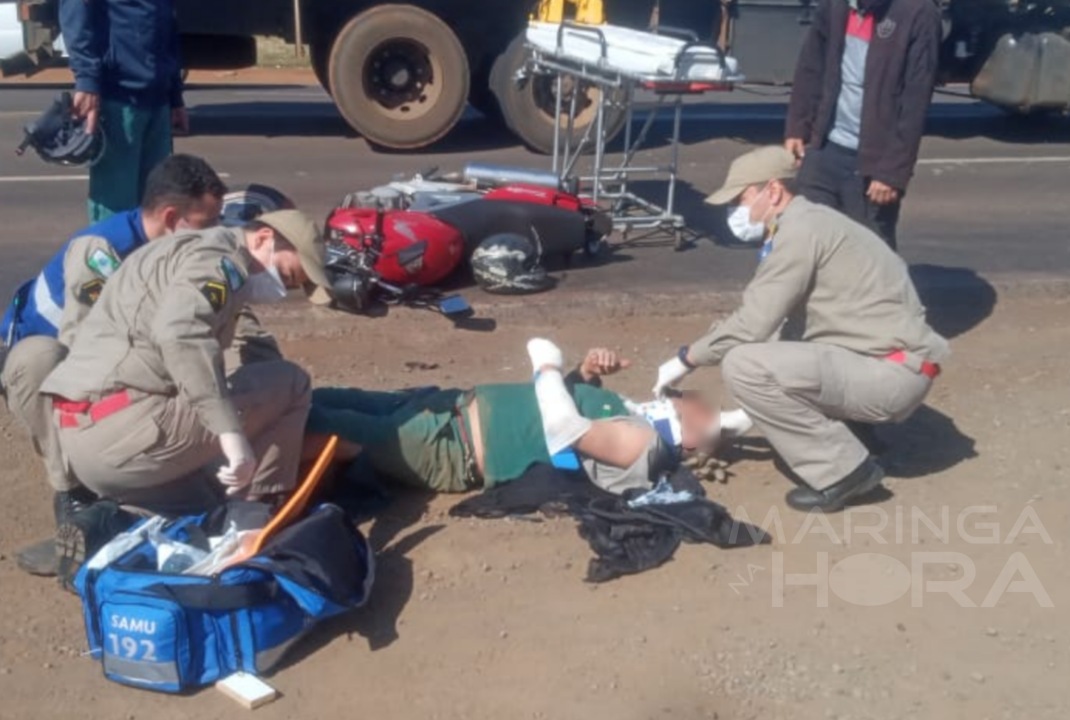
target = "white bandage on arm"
x: 562, y: 423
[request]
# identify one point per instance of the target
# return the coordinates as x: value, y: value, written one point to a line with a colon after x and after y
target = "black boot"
x: 66, y: 504
x: 41, y: 558
x: 86, y: 532
x: 860, y: 481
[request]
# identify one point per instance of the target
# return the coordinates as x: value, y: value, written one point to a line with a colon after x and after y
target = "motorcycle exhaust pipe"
x: 496, y: 175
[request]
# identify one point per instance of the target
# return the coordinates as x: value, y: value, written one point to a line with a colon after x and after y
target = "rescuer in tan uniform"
x: 144, y: 410
x: 865, y: 352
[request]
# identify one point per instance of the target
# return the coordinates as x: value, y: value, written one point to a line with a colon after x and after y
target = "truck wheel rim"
x: 403, y: 78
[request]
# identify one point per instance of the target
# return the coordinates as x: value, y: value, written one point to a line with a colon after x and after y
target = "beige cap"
x: 300, y: 231
x: 757, y: 167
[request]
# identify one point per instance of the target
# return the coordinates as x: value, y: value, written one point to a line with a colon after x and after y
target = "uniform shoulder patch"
x: 216, y: 294
x: 102, y: 262
x: 89, y: 293
x: 233, y: 275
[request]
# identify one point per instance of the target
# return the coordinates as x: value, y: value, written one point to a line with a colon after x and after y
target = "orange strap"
x: 298, y: 502
x: 293, y: 508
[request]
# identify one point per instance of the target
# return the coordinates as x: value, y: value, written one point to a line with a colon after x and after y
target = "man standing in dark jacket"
x: 863, y: 85
x: 127, y: 78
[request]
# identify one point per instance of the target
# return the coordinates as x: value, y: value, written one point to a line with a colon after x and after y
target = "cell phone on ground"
x: 455, y: 306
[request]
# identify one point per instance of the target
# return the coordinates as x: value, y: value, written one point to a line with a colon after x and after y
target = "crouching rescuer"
x: 864, y: 352
x: 146, y: 415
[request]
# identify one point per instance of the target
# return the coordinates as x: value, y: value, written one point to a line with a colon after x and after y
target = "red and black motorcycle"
x: 398, y: 242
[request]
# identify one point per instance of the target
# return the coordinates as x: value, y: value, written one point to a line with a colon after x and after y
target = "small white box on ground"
x: 247, y: 690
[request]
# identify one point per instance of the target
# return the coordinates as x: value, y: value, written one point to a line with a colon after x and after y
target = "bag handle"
x: 213, y: 597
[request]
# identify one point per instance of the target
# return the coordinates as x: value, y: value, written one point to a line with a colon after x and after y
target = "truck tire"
x: 528, y: 108
x: 399, y: 76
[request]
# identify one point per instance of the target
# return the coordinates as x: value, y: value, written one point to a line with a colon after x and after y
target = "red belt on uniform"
x: 69, y: 410
x: 928, y: 369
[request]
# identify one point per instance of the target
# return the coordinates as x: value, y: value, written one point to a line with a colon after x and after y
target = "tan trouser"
x: 27, y: 365
x: 798, y: 393
x: 157, y: 455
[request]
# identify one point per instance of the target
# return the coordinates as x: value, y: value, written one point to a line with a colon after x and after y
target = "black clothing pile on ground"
x: 625, y: 540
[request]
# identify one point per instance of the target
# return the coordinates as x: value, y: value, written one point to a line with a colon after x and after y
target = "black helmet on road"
x: 509, y: 264
x: 243, y: 206
x: 60, y: 138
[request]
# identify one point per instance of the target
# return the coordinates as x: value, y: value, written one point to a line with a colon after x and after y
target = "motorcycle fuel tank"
x: 415, y: 248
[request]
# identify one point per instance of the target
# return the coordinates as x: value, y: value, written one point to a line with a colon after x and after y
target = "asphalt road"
x: 989, y: 199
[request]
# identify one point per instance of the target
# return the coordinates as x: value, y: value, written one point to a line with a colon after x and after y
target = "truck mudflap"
x: 1026, y: 73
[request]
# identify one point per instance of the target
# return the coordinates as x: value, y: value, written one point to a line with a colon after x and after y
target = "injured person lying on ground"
x: 456, y: 440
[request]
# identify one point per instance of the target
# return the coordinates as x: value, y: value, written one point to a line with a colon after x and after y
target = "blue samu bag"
x: 171, y: 632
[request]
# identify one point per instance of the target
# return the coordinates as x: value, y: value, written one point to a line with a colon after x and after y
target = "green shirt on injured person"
x: 413, y: 436
x: 509, y: 416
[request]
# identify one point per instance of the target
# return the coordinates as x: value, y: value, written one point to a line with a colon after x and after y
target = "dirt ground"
x: 948, y: 610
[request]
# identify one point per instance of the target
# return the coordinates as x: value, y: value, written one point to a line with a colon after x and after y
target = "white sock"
x: 543, y: 352
x: 562, y: 423
x: 735, y: 423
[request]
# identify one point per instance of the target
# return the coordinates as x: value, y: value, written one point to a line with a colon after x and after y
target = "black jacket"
x: 124, y: 50
x: 900, y: 76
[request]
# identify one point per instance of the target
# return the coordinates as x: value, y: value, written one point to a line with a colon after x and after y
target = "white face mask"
x: 267, y: 287
x: 743, y: 227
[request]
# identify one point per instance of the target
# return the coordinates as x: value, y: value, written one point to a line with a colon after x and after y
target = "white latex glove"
x: 669, y: 374
x: 238, y: 473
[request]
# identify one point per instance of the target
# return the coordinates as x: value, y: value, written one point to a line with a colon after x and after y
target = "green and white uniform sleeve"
x: 88, y: 263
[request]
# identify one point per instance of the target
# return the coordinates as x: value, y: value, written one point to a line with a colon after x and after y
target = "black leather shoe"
x: 867, y: 435
x: 858, y: 482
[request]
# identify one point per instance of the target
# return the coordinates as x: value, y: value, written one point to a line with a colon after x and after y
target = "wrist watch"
x: 682, y: 355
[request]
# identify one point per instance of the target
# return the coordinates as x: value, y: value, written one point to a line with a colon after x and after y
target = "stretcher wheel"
x: 528, y: 108
x: 678, y: 242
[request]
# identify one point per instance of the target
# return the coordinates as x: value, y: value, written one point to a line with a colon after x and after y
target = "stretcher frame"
x: 609, y: 184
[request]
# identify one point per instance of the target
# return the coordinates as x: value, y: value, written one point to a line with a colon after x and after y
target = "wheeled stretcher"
x: 617, y: 62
